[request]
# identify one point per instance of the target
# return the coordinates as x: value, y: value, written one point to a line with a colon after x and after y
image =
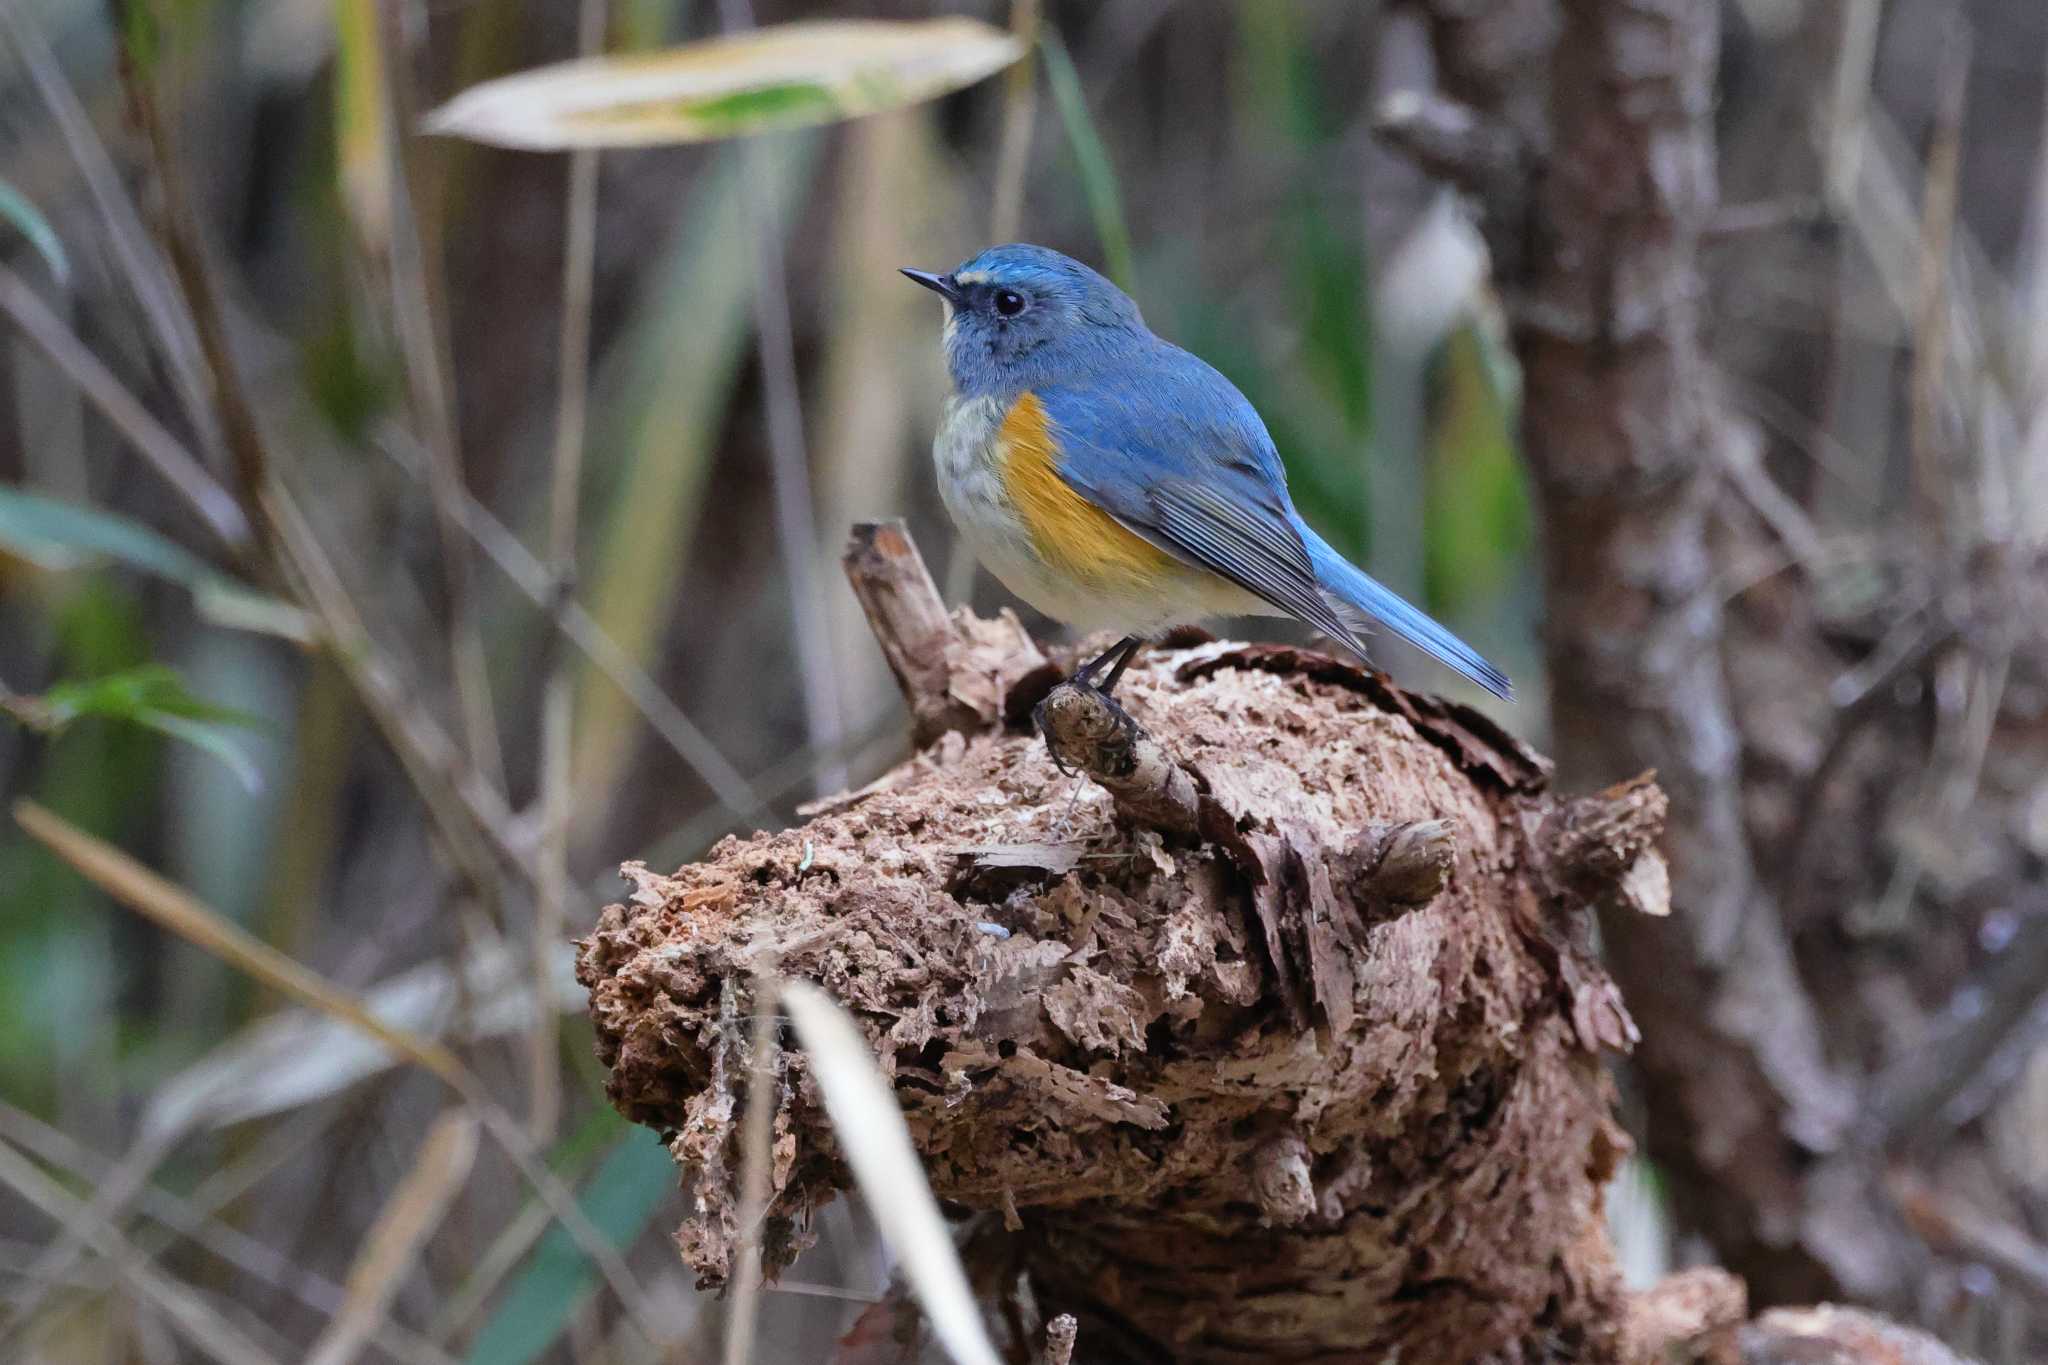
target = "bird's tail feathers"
x: 1361, y: 600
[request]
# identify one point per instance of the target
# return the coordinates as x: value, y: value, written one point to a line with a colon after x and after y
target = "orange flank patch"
x: 1070, y: 533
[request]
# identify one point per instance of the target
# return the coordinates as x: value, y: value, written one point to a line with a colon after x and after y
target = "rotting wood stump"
x: 1277, y: 1041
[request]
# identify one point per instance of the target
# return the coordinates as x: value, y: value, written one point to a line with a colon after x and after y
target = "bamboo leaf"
x: 60, y: 536
x: 208, y: 738
x: 129, y: 694
x: 876, y: 1144
x: 621, y: 1198
x: 152, y: 696
x: 782, y: 76
x: 301, y: 1057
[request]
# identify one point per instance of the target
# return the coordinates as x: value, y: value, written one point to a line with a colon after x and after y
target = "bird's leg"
x: 1130, y: 645
x: 1085, y: 674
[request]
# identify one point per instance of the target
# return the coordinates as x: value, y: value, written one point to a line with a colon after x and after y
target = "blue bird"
x: 1114, y: 481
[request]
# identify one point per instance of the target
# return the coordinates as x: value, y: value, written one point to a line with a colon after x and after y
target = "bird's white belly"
x: 965, y: 454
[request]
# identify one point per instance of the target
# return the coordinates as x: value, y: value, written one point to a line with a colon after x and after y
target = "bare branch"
x: 963, y: 674
x: 1085, y: 730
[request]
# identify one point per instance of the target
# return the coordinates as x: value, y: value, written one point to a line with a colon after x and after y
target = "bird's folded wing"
x: 1178, y: 456
x: 1252, y: 545
x: 1225, y: 523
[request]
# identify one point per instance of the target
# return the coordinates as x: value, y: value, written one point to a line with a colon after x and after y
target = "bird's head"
x: 1022, y: 315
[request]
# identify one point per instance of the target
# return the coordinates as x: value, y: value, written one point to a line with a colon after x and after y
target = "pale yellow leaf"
x: 783, y: 76
x: 876, y: 1144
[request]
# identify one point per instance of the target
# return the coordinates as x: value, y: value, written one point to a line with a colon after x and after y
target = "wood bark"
x: 1276, y: 1039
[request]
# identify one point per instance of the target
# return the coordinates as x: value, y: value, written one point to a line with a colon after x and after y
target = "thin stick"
x: 172, y: 908
x: 1960, y: 1228
x: 508, y: 1247
x: 192, y: 1217
x: 558, y: 702
x: 1849, y: 97
x: 239, y: 432
x: 432, y: 390
x: 142, y: 268
x: 109, y: 1197
x: 2030, y: 478
x: 469, y: 812
x: 394, y: 1241
x: 164, y: 452
x: 796, y: 530
x: 764, y: 1056
x: 1931, y: 312
x: 182, y: 1220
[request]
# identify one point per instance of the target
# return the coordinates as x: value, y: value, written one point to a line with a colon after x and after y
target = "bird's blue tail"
x: 1353, y: 591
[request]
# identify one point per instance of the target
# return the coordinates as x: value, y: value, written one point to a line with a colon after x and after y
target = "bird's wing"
x: 1174, y: 452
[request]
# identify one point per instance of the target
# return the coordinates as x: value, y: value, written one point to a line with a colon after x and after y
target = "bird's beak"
x: 942, y: 285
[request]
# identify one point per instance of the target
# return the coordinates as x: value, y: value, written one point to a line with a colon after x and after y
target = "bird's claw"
x: 1038, y: 722
x: 1123, y: 719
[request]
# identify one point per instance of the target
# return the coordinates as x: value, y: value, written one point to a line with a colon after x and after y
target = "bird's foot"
x: 1041, y: 718
x: 1041, y: 722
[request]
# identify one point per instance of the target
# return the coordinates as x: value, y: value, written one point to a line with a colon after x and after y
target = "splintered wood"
x: 1289, y: 1052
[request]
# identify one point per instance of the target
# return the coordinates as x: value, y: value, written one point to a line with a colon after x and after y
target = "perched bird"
x: 1113, y: 480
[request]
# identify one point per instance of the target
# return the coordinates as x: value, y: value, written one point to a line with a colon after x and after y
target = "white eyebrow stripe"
x: 971, y: 277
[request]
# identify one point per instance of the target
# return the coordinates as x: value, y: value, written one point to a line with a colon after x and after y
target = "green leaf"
x: 635, y: 1180
x: 142, y: 36
x: 1091, y: 158
x: 133, y: 692
x: 31, y: 224
x: 782, y: 76
x: 208, y: 738
x: 61, y: 536
x: 789, y: 103
x: 155, y: 697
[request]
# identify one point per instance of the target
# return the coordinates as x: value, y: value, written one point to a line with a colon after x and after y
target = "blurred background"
x: 557, y: 654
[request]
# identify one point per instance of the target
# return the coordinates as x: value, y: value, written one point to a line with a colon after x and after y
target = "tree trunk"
x: 1853, y: 748
x: 1279, y: 1042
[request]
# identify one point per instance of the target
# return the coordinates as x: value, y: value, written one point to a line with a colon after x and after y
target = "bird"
x: 1115, y: 481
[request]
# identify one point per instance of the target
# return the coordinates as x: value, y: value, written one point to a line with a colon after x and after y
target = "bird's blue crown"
x: 1025, y: 315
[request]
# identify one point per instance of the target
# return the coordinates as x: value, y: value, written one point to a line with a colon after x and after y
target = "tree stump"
x: 1275, y: 1038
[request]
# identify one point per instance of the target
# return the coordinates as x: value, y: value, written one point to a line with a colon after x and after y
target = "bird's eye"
x: 1009, y: 302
